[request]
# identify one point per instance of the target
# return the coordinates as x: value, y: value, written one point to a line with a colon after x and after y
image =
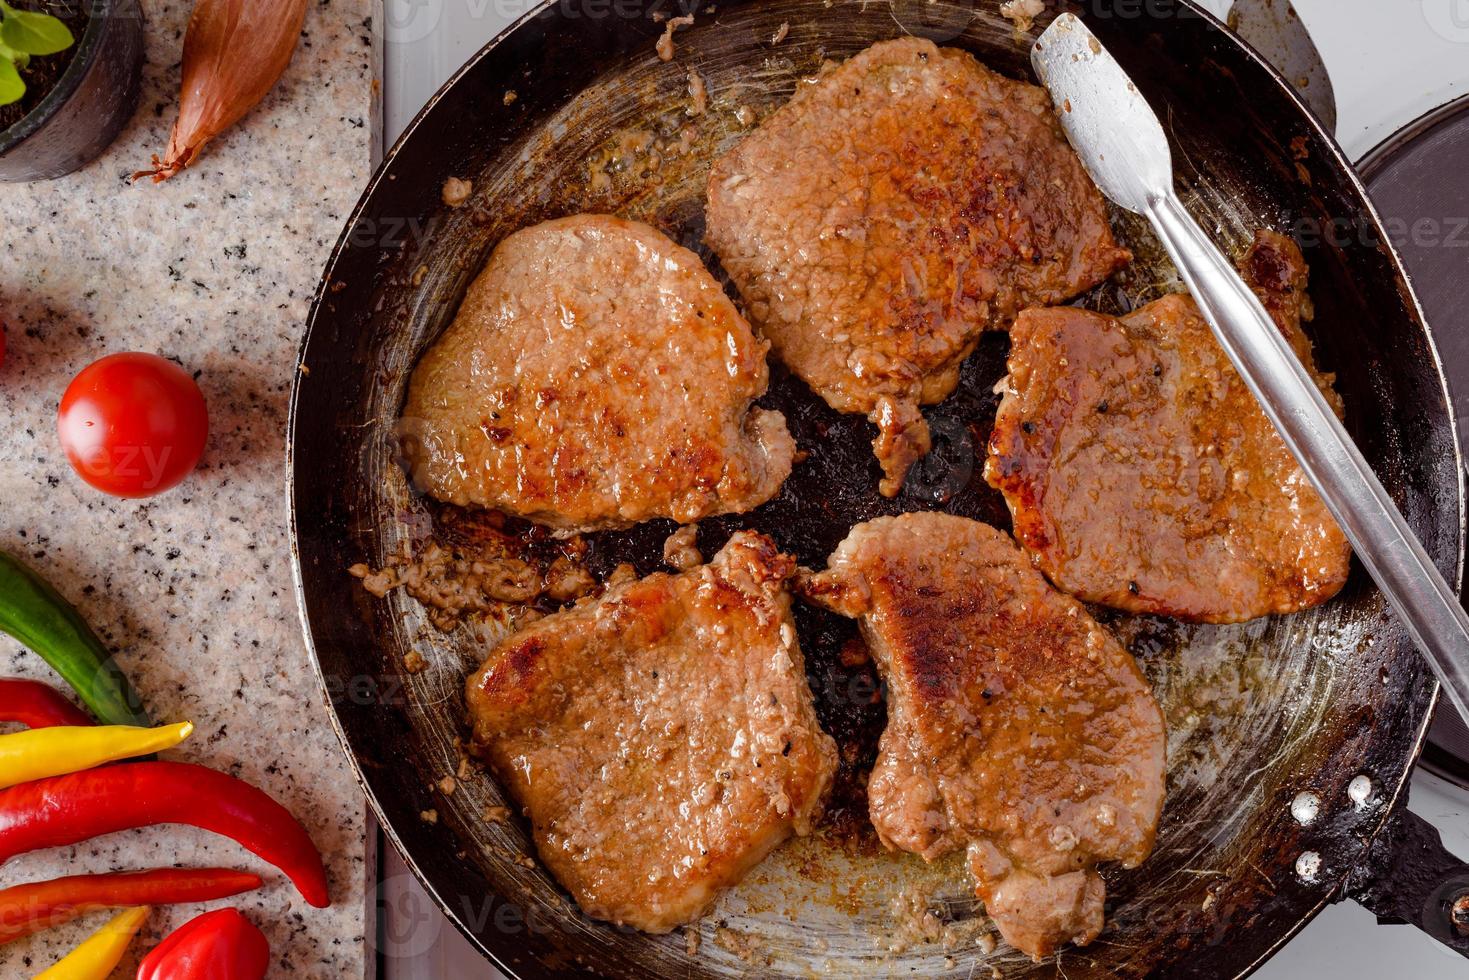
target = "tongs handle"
x: 1383, y: 541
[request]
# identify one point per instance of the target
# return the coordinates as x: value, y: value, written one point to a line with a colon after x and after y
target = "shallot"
x: 234, y: 52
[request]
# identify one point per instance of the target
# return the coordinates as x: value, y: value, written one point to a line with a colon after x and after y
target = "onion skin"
x: 234, y: 53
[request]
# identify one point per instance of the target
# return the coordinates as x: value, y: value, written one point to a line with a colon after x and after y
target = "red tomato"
x: 133, y: 425
x: 221, y: 945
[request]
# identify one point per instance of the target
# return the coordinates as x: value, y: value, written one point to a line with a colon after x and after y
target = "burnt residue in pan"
x: 830, y: 491
x: 833, y: 489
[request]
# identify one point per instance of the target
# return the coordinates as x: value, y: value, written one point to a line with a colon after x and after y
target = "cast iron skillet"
x: 571, y: 110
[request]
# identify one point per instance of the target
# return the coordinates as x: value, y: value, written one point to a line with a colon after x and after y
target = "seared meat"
x: 661, y: 738
x: 596, y: 376
x: 894, y: 209
x: 1141, y: 472
x: 1017, y: 727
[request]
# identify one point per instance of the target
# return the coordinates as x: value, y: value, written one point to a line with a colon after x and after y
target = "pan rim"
x: 1398, y: 796
x: 1380, y: 155
x: 298, y: 582
x: 1339, y: 160
x: 1368, y: 167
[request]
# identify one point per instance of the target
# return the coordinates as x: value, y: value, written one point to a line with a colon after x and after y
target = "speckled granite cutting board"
x: 215, y: 268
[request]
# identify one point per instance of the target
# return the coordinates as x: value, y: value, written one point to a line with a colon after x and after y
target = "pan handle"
x: 1409, y: 878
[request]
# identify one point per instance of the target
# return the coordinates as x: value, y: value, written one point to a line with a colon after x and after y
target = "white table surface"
x: 1390, y: 61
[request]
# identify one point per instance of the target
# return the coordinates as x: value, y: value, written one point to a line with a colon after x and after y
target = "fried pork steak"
x: 1017, y: 727
x: 894, y: 209
x: 661, y: 738
x: 596, y: 376
x: 1143, y: 475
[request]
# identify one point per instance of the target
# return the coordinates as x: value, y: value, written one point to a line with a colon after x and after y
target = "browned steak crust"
x: 1143, y: 475
x: 894, y: 209
x: 1017, y: 727
x: 595, y: 376
x: 662, y: 738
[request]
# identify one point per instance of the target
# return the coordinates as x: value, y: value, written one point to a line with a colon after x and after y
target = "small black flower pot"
x: 90, y: 103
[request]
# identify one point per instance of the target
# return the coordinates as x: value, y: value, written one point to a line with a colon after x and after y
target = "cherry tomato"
x: 221, y: 945
x: 133, y: 425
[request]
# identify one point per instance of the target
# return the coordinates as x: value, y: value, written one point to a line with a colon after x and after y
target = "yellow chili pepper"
x: 42, y: 752
x: 96, y: 958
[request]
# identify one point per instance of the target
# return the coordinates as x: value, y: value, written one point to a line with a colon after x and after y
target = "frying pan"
x: 1291, y: 739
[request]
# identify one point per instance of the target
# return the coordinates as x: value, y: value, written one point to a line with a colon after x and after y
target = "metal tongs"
x: 1120, y: 141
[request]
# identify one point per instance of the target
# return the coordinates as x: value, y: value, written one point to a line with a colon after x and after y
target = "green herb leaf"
x: 20, y: 59
x: 11, y: 86
x: 33, y: 33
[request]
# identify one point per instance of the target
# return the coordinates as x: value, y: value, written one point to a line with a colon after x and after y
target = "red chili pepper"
x: 37, y: 705
x: 67, y: 809
x: 221, y: 945
x: 25, y: 909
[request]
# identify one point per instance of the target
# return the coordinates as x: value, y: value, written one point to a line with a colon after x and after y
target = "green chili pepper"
x: 36, y: 614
